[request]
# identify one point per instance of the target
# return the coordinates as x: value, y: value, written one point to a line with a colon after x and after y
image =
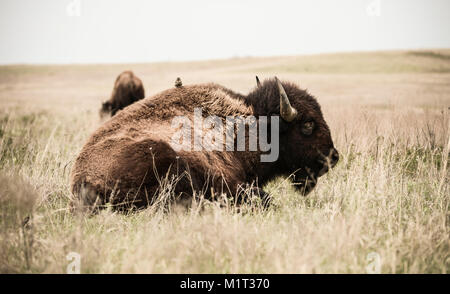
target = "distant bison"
x: 127, y: 89
x: 125, y: 160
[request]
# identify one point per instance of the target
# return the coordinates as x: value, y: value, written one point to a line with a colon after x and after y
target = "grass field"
x: 389, y: 196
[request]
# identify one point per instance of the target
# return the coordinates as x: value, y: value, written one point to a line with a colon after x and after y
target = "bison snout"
x: 328, y: 162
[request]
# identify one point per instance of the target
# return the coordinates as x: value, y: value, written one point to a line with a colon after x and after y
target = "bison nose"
x: 334, y: 157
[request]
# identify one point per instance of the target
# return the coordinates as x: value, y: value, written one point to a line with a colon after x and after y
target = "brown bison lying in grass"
x: 127, y: 89
x: 125, y: 161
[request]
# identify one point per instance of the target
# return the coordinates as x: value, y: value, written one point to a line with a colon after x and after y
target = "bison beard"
x: 125, y: 160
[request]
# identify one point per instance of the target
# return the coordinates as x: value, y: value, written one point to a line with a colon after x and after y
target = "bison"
x: 125, y: 160
x: 127, y: 89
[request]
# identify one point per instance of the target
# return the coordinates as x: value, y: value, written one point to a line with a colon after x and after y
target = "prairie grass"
x: 389, y: 194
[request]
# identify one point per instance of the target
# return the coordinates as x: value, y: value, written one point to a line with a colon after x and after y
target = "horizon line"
x: 235, y: 57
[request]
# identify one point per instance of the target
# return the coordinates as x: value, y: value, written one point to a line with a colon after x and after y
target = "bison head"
x: 306, y: 148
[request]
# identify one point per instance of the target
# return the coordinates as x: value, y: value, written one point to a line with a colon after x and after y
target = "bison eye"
x: 307, y: 128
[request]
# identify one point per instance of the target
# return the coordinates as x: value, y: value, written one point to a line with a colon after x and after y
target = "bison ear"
x: 258, y: 83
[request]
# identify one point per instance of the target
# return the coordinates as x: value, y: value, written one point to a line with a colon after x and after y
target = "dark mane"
x: 265, y: 99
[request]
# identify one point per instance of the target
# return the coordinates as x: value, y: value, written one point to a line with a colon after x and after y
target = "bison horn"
x: 287, y: 112
x: 258, y: 83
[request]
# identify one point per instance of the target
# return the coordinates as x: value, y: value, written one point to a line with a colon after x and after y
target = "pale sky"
x: 121, y: 31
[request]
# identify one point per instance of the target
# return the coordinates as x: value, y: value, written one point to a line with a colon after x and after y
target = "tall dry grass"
x: 389, y: 194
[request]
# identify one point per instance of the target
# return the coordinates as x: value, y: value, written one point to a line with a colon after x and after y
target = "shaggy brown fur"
x: 125, y: 158
x: 127, y: 89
